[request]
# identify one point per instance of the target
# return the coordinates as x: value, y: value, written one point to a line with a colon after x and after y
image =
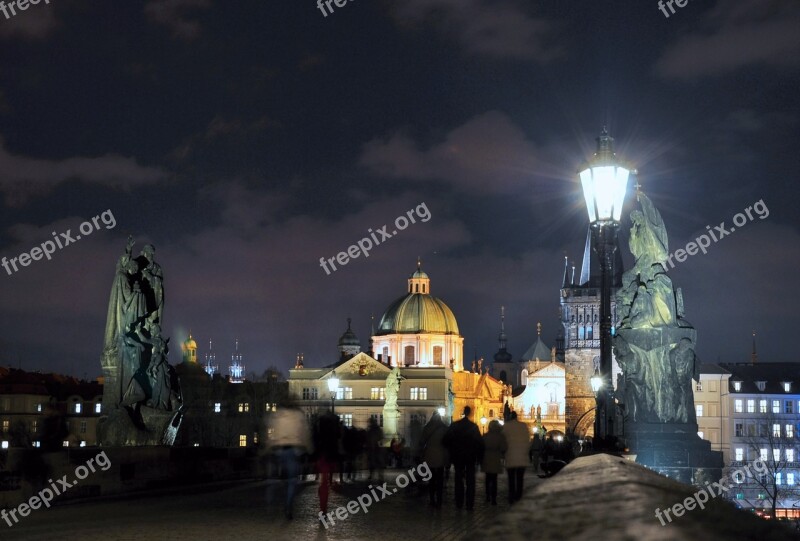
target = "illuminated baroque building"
x: 419, y: 335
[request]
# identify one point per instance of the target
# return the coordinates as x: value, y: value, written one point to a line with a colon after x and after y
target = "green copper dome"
x: 418, y: 313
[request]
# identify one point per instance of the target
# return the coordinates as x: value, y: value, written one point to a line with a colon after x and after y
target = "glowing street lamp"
x: 441, y: 411
x: 604, y: 180
x: 333, y: 387
x: 484, y: 420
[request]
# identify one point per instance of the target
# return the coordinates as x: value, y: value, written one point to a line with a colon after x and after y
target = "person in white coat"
x: 516, y: 458
x: 289, y: 438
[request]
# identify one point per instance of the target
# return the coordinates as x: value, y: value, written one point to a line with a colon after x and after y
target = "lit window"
x: 761, y: 385
x: 77, y: 407
x: 347, y: 419
x: 699, y: 386
x: 65, y: 443
x: 776, y: 455
x: 790, y: 478
x: 776, y: 406
x: 737, y: 386
x: 217, y: 407
x: 762, y: 406
x: 776, y: 430
x: 243, y: 440
x: 4, y: 444
x: 38, y: 408
x: 789, y: 455
x: 779, y: 478
x: 789, y: 430
x: 244, y: 407
x: 738, y: 405
x: 83, y: 443
x: 310, y: 393
x: 788, y: 406
x: 419, y: 393
x: 344, y: 393
x: 738, y: 476
x: 37, y: 443
x: 763, y: 455
x: 787, y: 386
x: 34, y: 426
x: 740, y: 495
x: 751, y: 406
x: 6, y: 426
x: 98, y: 408
x: 699, y: 410
x: 377, y: 393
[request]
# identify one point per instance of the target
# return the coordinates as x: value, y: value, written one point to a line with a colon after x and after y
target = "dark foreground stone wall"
x: 608, y: 498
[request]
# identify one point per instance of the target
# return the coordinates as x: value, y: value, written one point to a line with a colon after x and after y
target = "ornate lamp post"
x: 604, y: 182
x: 333, y: 387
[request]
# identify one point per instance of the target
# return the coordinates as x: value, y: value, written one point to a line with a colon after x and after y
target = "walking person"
x: 518, y: 441
x: 290, y: 439
x: 327, y: 450
x: 494, y: 447
x: 535, y: 453
x: 463, y: 441
x: 375, y: 454
x: 434, y: 453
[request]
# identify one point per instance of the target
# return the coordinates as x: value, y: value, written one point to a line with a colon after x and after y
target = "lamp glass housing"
x: 333, y: 384
x: 604, y: 189
x: 597, y: 382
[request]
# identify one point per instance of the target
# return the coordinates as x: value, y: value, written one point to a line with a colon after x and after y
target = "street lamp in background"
x: 333, y: 387
x: 484, y: 420
x: 441, y: 411
x: 604, y: 182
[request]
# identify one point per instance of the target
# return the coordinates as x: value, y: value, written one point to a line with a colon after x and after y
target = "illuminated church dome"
x: 418, y: 329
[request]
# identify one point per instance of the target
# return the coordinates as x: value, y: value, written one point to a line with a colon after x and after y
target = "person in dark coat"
x: 463, y: 441
x: 326, y: 447
x: 494, y: 445
x: 434, y: 453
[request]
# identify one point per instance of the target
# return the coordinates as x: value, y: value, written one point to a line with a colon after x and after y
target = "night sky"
x: 247, y: 139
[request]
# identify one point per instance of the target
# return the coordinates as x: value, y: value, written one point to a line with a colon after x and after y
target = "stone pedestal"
x: 674, y: 450
x: 391, y: 419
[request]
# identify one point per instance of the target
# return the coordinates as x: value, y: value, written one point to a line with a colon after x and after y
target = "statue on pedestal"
x: 654, y: 345
x: 141, y: 395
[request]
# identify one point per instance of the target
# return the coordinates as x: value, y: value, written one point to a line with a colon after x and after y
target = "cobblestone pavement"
x: 242, y: 513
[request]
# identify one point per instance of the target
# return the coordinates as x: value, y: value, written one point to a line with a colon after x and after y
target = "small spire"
x: 754, y: 355
x: 348, y: 323
x: 566, y: 272
x: 419, y: 263
x: 572, y: 281
x: 539, y: 329
x: 372, y: 323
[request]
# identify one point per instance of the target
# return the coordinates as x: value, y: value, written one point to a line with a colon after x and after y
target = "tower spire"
x: 502, y: 337
x: 564, y: 282
x: 754, y: 355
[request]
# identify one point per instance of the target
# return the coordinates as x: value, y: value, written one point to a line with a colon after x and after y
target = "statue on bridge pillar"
x: 654, y: 347
x: 141, y: 394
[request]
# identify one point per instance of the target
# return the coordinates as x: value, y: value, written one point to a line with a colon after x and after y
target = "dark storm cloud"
x: 499, y: 28
x: 733, y: 35
x: 487, y: 154
x: 177, y: 15
x: 23, y: 177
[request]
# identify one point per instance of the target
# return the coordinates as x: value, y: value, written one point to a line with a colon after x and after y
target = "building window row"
x: 418, y: 393
x: 788, y: 406
x: 377, y: 393
x: 310, y: 393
